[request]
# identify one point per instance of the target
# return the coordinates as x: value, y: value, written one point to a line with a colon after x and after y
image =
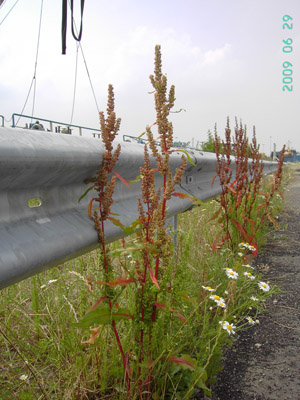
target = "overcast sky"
x: 224, y: 58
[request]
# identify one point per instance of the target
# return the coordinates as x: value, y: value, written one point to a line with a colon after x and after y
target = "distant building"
x: 289, y: 155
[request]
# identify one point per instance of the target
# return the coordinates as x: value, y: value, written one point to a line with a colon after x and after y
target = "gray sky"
x: 224, y: 58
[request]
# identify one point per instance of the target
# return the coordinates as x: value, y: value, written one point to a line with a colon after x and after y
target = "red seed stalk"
x: 105, y: 189
x: 154, y: 215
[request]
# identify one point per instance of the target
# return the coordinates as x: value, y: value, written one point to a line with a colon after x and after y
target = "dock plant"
x: 152, y: 255
x: 241, y: 210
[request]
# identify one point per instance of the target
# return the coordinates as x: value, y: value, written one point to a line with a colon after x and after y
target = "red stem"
x: 142, y: 306
x: 122, y: 354
x: 163, y: 212
x: 110, y: 306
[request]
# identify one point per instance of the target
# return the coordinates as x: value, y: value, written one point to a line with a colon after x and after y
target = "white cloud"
x: 132, y: 58
x: 213, y: 57
x: 215, y: 65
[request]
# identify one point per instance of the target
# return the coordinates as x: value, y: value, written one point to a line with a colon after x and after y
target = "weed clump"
x: 155, y: 318
x: 241, y: 212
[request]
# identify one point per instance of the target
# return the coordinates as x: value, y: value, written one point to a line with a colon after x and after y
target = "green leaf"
x: 85, y: 193
x: 103, y: 315
x: 129, y: 229
x: 132, y: 227
x: 116, y: 222
x: 201, y: 382
x: 142, y: 134
x: 128, y: 250
x: 132, y: 250
x: 188, y: 156
x: 137, y: 179
x: 187, y: 196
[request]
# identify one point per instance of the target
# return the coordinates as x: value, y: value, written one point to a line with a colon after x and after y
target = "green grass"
x: 39, y: 339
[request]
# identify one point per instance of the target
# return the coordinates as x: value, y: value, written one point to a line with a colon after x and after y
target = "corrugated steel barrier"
x: 41, y: 179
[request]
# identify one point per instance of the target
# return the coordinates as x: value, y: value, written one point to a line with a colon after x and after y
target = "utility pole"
x: 274, y: 152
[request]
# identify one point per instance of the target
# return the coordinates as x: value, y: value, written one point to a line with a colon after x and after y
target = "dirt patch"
x: 264, y: 362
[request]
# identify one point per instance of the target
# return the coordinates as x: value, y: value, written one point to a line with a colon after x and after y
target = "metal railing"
x: 41, y: 179
x: 134, y: 139
x: 58, y: 127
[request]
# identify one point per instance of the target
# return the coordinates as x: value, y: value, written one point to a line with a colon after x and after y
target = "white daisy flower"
x: 240, y: 254
x: 250, y: 320
x: 221, y: 304
x: 264, y: 286
x: 246, y: 246
x: 231, y: 273
x: 208, y: 288
x: 230, y: 328
x: 217, y: 298
x: 249, y: 275
x: 248, y: 266
x: 254, y: 298
x: 23, y: 377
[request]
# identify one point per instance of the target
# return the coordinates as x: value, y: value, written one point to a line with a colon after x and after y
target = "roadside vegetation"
x: 144, y: 318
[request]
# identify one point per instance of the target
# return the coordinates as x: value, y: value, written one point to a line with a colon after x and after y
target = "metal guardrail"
x: 67, y: 130
x: 41, y: 178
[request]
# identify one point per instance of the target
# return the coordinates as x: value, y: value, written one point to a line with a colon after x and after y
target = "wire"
x: 75, y: 83
x: 8, y: 11
x: 77, y: 36
x: 36, y: 58
x: 25, y: 102
x: 85, y: 63
x: 33, y: 82
x: 64, y: 23
x: 88, y: 74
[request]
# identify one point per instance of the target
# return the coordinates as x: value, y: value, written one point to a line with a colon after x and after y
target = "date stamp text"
x: 287, y: 49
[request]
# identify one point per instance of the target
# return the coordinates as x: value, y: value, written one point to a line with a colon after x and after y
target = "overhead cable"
x: 76, y: 36
x: 75, y: 83
x: 33, y: 82
x: 8, y: 11
x: 36, y: 57
x: 88, y: 74
x: 85, y: 63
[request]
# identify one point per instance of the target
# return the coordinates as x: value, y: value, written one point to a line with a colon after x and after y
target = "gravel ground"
x: 264, y: 362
